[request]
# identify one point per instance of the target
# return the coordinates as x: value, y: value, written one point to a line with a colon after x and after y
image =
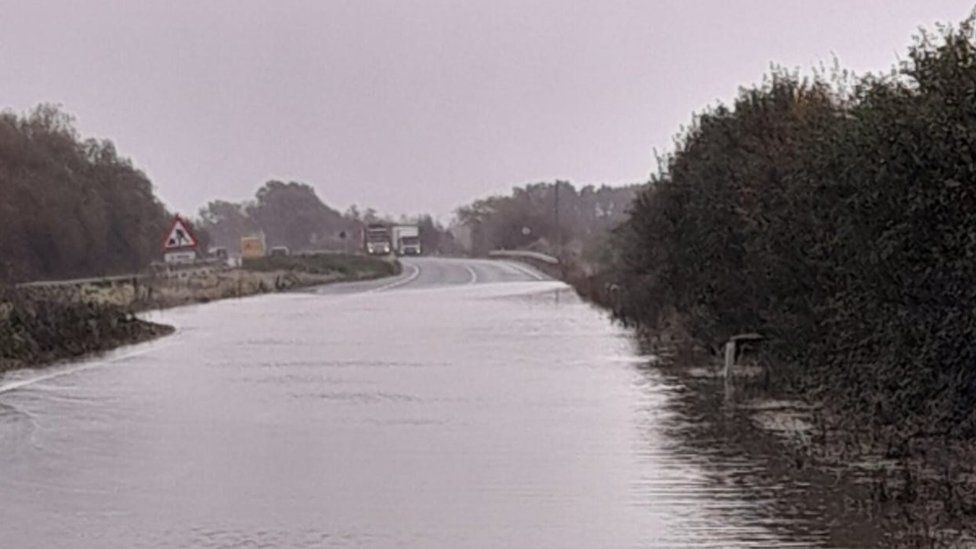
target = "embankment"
x: 44, y: 323
x: 36, y: 330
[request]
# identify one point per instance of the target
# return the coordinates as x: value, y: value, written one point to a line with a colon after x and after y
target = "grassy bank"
x: 257, y: 276
x: 43, y: 324
x: 345, y: 266
x: 36, y: 330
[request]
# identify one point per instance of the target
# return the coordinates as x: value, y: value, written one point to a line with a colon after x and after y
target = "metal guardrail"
x: 522, y: 254
x: 80, y: 281
x: 157, y: 270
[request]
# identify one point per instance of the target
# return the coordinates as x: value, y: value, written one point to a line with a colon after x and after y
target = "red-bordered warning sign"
x: 179, y: 236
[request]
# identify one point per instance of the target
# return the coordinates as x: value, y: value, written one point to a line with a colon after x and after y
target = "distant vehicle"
x: 376, y: 239
x: 279, y: 251
x: 406, y: 239
x: 252, y: 247
x: 410, y: 245
x: 219, y: 253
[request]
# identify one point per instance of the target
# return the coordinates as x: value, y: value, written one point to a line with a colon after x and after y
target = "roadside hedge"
x: 836, y: 216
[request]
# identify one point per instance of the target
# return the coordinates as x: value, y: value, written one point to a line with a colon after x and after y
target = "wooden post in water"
x: 729, y: 358
x: 731, y: 350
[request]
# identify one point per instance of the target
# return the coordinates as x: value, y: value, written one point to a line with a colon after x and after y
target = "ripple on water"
x: 492, y: 416
x: 356, y: 397
x: 256, y: 537
x: 16, y: 428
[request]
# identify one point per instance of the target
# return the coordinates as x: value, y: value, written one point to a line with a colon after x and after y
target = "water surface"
x: 464, y: 404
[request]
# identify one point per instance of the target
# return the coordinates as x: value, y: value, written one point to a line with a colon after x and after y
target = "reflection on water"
x: 477, y: 415
x: 753, y: 487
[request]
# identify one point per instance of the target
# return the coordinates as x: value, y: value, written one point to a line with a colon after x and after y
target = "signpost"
x: 179, y: 246
x: 253, y: 247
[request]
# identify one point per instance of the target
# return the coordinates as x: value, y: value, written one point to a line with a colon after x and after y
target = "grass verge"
x: 35, y: 331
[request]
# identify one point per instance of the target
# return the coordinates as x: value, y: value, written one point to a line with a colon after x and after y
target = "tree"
x: 528, y: 218
x: 71, y: 207
x: 837, y: 220
x: 289, y: 214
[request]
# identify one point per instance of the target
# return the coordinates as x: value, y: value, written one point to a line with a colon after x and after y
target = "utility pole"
x: 559, y: 232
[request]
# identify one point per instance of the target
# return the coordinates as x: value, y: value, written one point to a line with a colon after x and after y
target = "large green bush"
x: 71, y: 207
x: 838, y: 220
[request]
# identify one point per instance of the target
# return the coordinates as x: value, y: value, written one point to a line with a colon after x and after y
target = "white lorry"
x: 406, y: 239
x: 376, y: 239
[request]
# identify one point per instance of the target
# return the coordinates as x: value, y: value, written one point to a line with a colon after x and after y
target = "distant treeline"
x: 554, y: 218
x: 70, y: 207
x: 837, y: 216
x: 291, y: 214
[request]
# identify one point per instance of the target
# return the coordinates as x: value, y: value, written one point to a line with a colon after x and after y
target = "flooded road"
x: 461, y: 404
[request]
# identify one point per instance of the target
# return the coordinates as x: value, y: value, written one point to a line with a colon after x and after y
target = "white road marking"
x: 474, y: 275
x: 525, y: 270
x: 399, y: 282
x: 87, y: 365
x: 102, y: 362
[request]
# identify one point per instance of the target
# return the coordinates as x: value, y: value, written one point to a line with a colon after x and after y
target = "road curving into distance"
x: 431, y: 272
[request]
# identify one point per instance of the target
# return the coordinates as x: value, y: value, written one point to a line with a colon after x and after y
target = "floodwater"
x: 463, y: 404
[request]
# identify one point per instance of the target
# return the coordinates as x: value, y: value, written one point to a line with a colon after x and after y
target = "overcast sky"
x: 412, y: 106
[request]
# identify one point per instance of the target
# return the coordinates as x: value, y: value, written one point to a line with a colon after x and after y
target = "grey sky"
x: 415, y: 106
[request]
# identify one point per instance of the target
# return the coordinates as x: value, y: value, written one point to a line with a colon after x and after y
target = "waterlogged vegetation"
x: 836, y: 215
x: 837, y: 218
x: 37, y: 328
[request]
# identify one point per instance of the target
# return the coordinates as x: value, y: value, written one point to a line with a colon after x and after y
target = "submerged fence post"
x: 731, y: 349
x: 729, y: 358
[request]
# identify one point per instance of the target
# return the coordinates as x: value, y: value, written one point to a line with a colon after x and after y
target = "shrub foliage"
x: 71, y: 207
x: 836, y: 215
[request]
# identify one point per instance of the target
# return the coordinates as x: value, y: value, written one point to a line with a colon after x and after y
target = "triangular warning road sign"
x: 179, y: 236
